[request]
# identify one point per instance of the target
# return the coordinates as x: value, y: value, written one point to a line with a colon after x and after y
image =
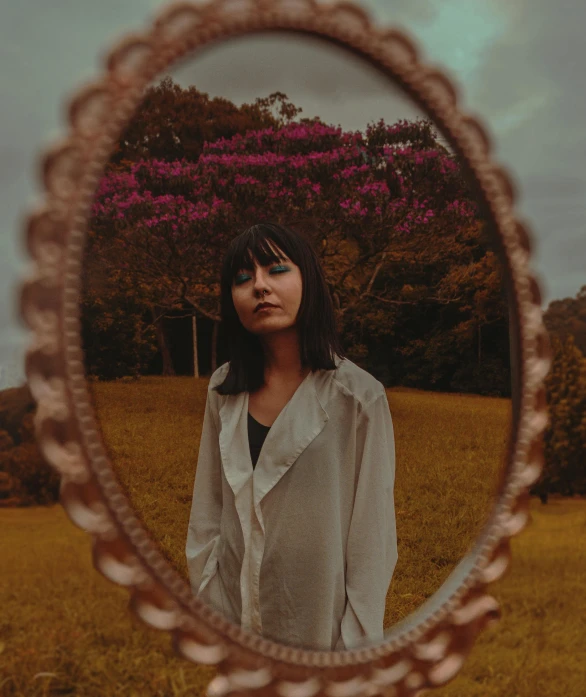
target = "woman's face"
x: 283, y: 284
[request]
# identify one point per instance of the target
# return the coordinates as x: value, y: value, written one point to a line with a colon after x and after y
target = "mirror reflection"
x: 316, y: 467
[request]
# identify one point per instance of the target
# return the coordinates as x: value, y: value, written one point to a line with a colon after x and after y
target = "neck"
x: 282, y: 356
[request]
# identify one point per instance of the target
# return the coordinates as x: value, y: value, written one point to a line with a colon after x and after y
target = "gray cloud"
x: 320, y: 78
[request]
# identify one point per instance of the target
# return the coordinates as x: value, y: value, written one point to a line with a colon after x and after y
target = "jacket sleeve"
x: 371, y: 552
x: 203, y: 532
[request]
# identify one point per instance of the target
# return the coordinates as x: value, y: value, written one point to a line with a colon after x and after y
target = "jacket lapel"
x: 299, y: 422
x: 233, y: 438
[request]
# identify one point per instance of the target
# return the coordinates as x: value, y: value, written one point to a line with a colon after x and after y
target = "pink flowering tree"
x: 369, y: 201
x: 362, y: 196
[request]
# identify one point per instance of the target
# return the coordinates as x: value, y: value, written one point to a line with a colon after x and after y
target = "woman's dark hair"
x: 318, y: 338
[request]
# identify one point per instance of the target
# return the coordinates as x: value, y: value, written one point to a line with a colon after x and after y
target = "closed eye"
x: 241, y: 278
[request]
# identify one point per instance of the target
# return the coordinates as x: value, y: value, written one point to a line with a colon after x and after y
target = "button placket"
x: 244, y: 506
x: 258, y: 547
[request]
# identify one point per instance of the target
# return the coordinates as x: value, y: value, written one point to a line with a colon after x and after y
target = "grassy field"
x: 449, y: 449
x: 65, y: 630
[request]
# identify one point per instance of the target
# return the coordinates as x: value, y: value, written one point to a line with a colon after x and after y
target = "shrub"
x: 565, y: 437
x: 33, y: 480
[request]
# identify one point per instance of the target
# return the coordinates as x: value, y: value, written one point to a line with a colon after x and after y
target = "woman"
x: 292, y: 526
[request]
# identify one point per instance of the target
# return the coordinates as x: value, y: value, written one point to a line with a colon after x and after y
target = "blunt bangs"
x: 254, y: 243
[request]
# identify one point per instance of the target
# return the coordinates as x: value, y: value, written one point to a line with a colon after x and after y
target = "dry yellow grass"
x: 449, y: 449
x: 68, y: 626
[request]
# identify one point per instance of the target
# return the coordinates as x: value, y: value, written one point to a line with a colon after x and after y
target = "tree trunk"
x: 479, y: 344
x: 215, y: 346
x: 168, y: 368
x: 195, y: 360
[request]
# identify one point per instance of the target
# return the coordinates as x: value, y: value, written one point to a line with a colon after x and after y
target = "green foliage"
x: 32, y: 480
x: 565, y: 437
x: 172, y: 122
x: 439, y: 319
x: 568, y: 316
x: 6, y: 441
x: 117, y: 336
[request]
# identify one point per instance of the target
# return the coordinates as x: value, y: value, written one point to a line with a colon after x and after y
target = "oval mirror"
x: 417, y: 300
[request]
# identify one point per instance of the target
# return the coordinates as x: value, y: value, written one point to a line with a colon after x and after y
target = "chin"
x: 271, y: 327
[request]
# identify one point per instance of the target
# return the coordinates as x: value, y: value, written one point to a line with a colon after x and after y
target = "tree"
x: 565, y: 436
x: 156, y: 219
x: 568, y: 316
x: 119, y: 338
x: 27, y: 478
x: 389, y: 211
x: 173, y: 123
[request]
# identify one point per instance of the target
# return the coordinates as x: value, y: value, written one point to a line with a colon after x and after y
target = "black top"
x: 256, y: 437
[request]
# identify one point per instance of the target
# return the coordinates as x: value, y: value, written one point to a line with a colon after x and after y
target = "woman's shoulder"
x: 358, y: 382
x: 219, y: 375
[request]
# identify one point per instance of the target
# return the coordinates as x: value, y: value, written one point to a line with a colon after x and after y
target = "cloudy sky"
x: 519, y: 64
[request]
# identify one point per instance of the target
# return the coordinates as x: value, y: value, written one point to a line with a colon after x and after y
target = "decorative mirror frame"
x: 422, y: 656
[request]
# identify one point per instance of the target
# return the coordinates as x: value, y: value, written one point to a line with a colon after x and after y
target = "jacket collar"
x: 298, y: 423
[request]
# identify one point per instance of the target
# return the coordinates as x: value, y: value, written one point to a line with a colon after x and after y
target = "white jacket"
x: 302, y: 549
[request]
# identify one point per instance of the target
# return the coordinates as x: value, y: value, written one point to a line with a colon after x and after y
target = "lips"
x: 262, y: 305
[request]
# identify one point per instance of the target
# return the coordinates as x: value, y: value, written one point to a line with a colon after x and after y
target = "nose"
x: 260, y: 282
